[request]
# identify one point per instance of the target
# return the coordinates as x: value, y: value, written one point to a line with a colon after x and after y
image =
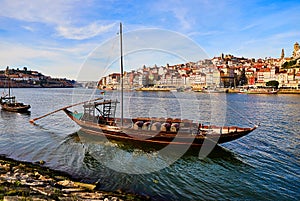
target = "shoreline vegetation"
x: 33, y: 181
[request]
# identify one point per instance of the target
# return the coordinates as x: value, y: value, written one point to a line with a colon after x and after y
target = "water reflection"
x: 100, y: 147
x: 8, y: 115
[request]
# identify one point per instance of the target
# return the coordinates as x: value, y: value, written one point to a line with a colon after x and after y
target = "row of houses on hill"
x: 223, y: 71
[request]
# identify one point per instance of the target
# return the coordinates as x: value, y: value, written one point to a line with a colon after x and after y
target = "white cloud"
x: 181, y: 14
x: 11, y: 52
x: 28, y: 28
x: 180, y: 11
x: 207, y: 33
x: 44, y: 11
x: 249, y: 27
x: 53, y: 61
x: 63, y: 16
x: 85, y: 32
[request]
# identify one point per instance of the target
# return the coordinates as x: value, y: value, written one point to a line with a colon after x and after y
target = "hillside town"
x: 225, y: 71
x: 25, y: 78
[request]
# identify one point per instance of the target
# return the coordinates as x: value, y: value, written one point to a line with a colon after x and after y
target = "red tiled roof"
x: 258, y: 65
x: 264, y: 70
x: 13, y: 76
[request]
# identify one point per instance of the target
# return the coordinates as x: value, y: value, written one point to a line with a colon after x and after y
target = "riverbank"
x: 289, y: 91
x: 280, y: 91
x: 28, y: 181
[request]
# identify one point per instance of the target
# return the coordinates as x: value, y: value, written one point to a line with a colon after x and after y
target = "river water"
x: 264, y: 165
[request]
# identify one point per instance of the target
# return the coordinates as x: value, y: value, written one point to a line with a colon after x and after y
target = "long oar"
x: 33, y: 120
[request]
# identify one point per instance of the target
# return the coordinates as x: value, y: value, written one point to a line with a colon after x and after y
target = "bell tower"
x: 296, y: 48
x: 282, y: 54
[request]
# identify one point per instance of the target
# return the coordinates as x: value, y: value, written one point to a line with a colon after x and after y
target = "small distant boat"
x: 158, y: 88
x: 9, y: 103
x: 258, y: 90
x: 213, y: 90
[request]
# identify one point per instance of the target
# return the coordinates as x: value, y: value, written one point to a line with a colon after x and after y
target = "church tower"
x: 296, y: 48
x: 282, y: 54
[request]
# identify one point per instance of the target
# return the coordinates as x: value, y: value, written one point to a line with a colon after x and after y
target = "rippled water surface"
x: 264, y: 165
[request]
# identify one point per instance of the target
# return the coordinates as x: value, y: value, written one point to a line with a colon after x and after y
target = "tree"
x: 289, y: 64
x: 273, y: 83
x: 243, y: 78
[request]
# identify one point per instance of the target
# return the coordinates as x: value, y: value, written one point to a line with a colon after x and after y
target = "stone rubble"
x: 19, y: 181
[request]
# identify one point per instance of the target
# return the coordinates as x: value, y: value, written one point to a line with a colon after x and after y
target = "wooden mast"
x: 8, y: 78
x: 121, y: 51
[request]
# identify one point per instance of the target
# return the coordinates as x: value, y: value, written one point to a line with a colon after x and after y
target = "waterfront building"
x: 263, y: 76
x: 111, y: 81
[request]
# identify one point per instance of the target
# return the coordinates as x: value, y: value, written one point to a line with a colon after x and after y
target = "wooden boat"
x: 9, y: 102
x: 258, y: 90
x: 98, y: 118
x: 213, y: 90
x: 262, y: 91
x: 158, y: 88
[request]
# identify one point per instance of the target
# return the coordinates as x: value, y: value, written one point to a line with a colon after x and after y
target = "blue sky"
x: 58, y: 37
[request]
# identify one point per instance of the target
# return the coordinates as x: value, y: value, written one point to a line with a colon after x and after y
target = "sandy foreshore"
x: 28, y: 181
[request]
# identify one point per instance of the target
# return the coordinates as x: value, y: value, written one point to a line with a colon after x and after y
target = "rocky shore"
x: 27, y: 181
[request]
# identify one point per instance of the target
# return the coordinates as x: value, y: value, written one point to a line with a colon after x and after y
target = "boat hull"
x: 258, y: 91
x: 20, y: 108
x: 187, y: 137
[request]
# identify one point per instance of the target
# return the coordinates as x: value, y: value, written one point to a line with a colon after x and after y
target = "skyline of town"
x: 223, y: 71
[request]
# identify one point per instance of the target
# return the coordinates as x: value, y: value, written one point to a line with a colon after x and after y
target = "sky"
x: 64, y: 38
